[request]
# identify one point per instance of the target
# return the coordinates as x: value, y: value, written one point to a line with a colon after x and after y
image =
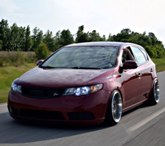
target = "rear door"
x: 144, y: 72
x: 131, y: 80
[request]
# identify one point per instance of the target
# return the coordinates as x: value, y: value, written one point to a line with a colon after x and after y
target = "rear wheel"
x: 155, y: 94
x: 114, y: 110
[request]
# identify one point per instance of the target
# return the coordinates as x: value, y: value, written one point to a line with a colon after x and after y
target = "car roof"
x: 104, y: 43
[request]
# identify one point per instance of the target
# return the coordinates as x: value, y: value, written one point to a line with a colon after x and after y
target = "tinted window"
x: 83, y: 57
x: 139, y: 56
x: 127, y: 55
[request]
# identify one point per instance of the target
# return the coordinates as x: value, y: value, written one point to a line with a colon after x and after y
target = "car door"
x: 144, y: 72
x: 131, y: 81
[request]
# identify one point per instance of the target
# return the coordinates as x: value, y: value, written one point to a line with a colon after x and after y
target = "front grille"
x: 80, y: 116
x: 37, y: 114
x: 41, y: 93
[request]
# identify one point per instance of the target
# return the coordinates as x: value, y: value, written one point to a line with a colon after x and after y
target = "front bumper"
x: 88, y: 109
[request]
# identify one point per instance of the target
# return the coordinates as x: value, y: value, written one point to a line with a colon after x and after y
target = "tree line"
x: 18, y: 38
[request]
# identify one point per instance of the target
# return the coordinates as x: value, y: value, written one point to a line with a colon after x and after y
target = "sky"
x: 104, y: 16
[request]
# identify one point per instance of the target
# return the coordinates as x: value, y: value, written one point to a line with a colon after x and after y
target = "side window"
x: 145, y: 54
x: 126, y: 55
x: 139, y: 56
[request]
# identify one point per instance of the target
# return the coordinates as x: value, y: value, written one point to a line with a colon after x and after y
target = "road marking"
x: 146, y: 120
x: 3, y: 107
x: 3, y: 104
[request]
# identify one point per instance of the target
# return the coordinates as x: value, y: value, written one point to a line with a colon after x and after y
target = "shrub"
x: 42, y: 51
x: 16, y: 58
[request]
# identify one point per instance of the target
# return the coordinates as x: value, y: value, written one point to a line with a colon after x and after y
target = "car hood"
x: 60, y: 77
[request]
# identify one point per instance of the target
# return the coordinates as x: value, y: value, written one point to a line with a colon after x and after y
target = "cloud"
x: 7, y: 6
x: 105, y: 16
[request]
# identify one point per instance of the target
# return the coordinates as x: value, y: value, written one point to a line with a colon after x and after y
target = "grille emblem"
x: 55, y: 94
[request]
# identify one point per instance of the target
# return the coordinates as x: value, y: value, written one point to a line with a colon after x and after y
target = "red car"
x: 85, y: 83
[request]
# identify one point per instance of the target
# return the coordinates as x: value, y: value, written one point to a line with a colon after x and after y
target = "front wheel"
x: 155, y: 94
x: 114, y: 110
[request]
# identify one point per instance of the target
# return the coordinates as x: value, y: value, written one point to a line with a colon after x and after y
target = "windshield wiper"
x: 47, y: 67
x: 85, y: 68
x: 51, y: 67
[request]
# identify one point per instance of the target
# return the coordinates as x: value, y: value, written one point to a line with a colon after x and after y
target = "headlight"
x: 83, y: 90
x: 16, y: 88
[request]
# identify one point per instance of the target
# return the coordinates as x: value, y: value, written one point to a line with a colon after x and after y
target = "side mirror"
x: 130, y: 64
x: 39, y: 62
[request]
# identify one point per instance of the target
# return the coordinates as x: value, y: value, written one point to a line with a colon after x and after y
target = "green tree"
x: 42, y: 51
x: 81, y: 35
x: 65, y: 38
x: 149, y: 41
x: 95, y: 36
x: 16, y: 39
x: 0, y: 45
x: 110, y: 37
x: 57, y: 41
x: 37, y: 37
x: 123, y: 36
x: 19, y: 38
x: 28, y: 40
x: 4, y: 34
x: 49, y: 40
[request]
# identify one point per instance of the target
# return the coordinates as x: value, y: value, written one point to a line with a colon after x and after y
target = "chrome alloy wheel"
x: 156, y: 92
x: 116, y: 106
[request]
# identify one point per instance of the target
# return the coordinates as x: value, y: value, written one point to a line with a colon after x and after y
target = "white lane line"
x: 3, y: 104
x: 146, y: 120
x: 3, y: 107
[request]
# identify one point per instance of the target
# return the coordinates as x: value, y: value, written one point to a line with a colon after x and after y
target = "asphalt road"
x: 143, y: 126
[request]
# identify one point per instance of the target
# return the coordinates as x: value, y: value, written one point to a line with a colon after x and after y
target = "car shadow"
x: 19, y: 132
x: 144, y: 105
x: 14, y: 132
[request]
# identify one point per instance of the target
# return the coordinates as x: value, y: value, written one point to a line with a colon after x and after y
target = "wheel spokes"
x: 116, y: 107
x: 156, y: 92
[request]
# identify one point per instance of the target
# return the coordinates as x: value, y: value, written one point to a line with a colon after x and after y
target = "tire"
x: 114, y: 109
x: 155, y: 94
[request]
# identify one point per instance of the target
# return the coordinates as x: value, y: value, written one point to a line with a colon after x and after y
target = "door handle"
x: 151, y: 70
x: 139, y: 74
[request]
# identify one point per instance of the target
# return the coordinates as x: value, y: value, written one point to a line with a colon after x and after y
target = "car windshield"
x: 95, y: 57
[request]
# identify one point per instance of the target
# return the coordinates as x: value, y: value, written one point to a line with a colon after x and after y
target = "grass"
x: 160, y: 64
x: 7, y: 75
